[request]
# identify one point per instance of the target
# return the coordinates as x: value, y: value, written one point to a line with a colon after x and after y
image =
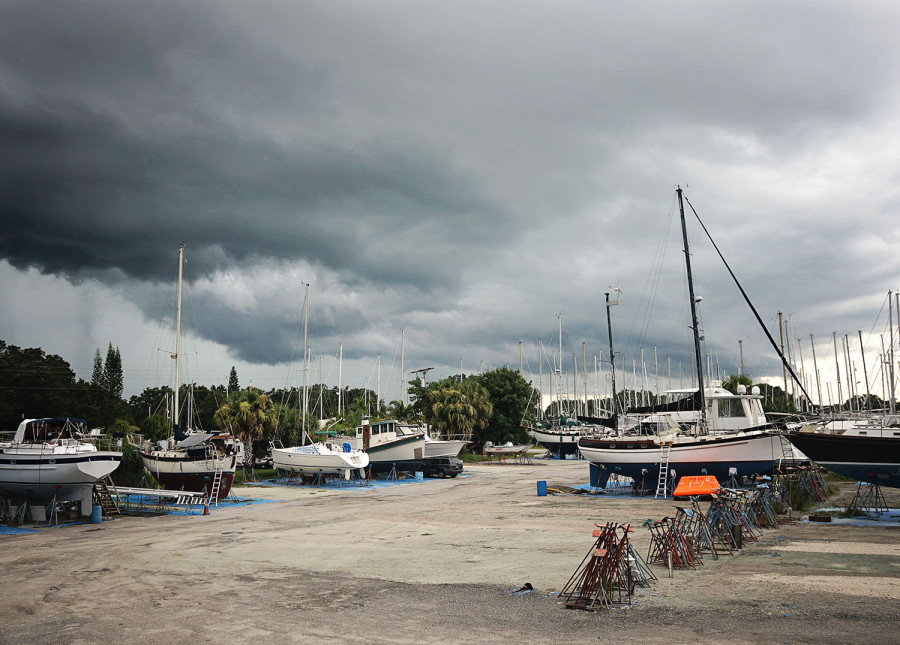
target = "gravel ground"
x: 434, y: 562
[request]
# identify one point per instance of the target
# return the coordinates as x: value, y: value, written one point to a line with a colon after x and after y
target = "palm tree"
x: 455, y: 409
x: 402, y: 412
x: 247, y: 414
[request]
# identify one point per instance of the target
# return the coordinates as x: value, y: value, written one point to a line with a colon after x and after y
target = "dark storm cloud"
x: 97, y: 180
x: 462, y: 170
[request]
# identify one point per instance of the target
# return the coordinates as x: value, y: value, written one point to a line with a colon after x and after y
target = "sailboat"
x: 867, y: 450
x: 322, y: 456
x: 560, y: 434
x: 747, y: 444
x: 50, y: 458
x: 192, y: 461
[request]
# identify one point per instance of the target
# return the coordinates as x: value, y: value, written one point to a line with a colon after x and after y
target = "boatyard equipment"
x: 869, y: 499
x: 609, y: 572
x: 670, y: 547
x: 706, y: 537
x: 696, y: 486
x: 728, y: 514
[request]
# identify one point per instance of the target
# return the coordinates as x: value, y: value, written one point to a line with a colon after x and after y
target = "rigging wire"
x: 787, y: 364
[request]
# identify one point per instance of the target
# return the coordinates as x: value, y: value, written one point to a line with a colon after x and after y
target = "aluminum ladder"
x: 787, y: 453
x: 662, y: 484
x: 216, y: 484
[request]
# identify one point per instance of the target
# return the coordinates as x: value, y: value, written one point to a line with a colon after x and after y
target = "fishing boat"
x: 433, y: 447
x: 387, y: 448
x: 724, y: 435
x: 50, y: 458
x: 320, y: 457
x: 193, y: 460
x: 866, y: 450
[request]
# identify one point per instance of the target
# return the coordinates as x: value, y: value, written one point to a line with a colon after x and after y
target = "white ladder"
x: 662, y: 484
x: 787, y: 452
x: 216, y: 485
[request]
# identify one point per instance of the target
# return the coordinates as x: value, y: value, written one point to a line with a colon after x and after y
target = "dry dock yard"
x: 437, y: 561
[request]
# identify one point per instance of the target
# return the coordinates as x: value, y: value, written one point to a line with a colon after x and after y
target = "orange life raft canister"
x: 702, y: 485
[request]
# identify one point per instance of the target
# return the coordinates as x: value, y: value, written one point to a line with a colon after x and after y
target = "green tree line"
x: 483, y: 407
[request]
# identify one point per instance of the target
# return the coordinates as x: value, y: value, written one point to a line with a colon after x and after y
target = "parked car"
x: 441, y: 467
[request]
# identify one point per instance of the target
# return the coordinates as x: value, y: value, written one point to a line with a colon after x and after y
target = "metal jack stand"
x: 869, y: 499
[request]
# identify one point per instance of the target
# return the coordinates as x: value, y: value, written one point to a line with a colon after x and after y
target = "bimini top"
x: 50, y: 429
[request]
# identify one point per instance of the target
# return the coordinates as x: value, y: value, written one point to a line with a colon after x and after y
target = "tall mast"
x: 837, y: 369
x: 574, y: 384
x: 656, y: 370
x: 612, y: 357
x: 560, y: 381
x: 584, y: 374
x: 862, y: 352
x: 783, y: 366
x: 541, y: 377
x: 696, y: 326
x: 812, y: 342
x: 177, y: 354
x: 802, y: 369
x: 559, y: 366
x: 403, y: 392
x: 891, y: 351
x: 322, y: 393
x: 340, y: 378
x: 305, y: 363
x: 851, y: 386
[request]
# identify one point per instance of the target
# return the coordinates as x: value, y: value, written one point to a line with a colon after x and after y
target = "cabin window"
x: 863, y: 432
x: 730, y: 408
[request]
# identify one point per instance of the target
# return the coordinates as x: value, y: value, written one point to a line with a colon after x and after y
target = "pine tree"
x: 97, y: 373
x: 112, y: 371
x: 233, y: 385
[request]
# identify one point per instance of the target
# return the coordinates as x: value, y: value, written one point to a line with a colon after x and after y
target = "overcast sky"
x: 463, y: 171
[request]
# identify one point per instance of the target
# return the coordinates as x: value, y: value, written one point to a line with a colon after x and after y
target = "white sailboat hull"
x: 319, y: 458
x: 42, y: 474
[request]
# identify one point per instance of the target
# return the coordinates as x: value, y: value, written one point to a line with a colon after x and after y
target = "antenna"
x: 424, y: 371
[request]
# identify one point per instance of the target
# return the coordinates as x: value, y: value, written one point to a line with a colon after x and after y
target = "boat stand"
x: 15, y: 514
x: 609, y: 572
x: 869, y: 500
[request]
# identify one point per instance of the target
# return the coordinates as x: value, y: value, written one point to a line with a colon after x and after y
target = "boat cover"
x: 194, y: 440
x: 686, y: 404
